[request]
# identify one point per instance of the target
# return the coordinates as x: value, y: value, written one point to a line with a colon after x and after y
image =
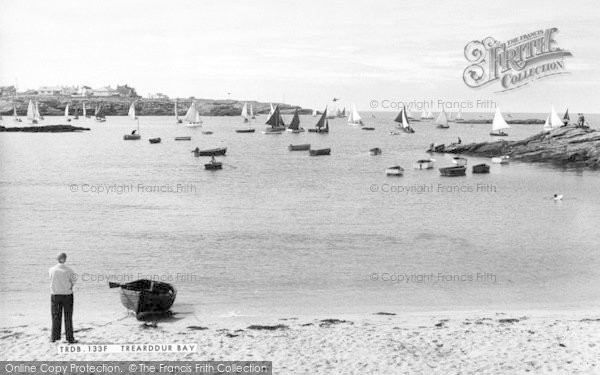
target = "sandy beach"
x: 443, y: 342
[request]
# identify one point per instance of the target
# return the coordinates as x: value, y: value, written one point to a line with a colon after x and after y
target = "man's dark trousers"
x: 60, y: 302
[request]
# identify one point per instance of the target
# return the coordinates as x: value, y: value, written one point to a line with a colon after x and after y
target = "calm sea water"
x: 279, y: 232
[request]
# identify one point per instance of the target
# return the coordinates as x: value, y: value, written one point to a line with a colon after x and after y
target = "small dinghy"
x: 395, y: 133
x: 557, y: 197
x: 213, y: 164
x: 481, y: 168
x: 270, y: 131
x: 501, y: 159
x: 249, y: 130
x: 453, y: 171
x: 375, y: 151
x: 323, y: 151
x: 207, y: 132
x: 368, y: 128
x: 459, y: 160
x: 211, y: 152
x: 424, y: 164
x: 394, y: 171
x: 145, y: 297
x: 154, y: 140
x: 131, y: 137
x: 183, y: 138
x: 303, y: 147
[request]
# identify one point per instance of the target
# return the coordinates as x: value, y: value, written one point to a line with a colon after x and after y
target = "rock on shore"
x: 566, y: 146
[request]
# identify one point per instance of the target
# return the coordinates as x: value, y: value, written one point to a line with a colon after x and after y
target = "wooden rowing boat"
x: 146, y: 296
x: 303, y: 147
x: 210, y: 152
x: 323, y: 151
x: 453, y: 171
x: 481, y: 168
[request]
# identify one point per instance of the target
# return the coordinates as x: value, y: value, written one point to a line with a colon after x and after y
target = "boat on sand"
x: 145, y: 297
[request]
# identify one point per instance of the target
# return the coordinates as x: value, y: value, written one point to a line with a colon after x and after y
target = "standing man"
x: 62, y: 279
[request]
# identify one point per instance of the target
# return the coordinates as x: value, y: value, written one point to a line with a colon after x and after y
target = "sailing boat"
x: 314, y: 113
x: 403, y: 121
x: 131, y: 112
x: 276, y: 122
x: 498, y: 125
x: 135, y: 134
x: 37, y: 111
x: 99, y: 113
x: 294, y: 126
x: 423, y: 115
x: 429, y: 116
x: 177, y: 119
x: 553, y: 121
x: 31, y: 113
x: 271, y: 110
x: 245, y: 112
x: 442, y: 120
x: 342, y: 113
x: 192, y: 117
x: 67, y: 113
x: 15, y: 117
x: 459, y: 116
x: 85, y: 112
x: 323, y: 125
x: 566, y: 117
x: 252, y: 113
x: 355, y: 118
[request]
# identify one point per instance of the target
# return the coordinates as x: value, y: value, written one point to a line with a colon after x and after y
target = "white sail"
x: 555, y: 121
x: 67, y: 111
x: 423, y: 115
x: 84, y: 111
x: 429, y: 115
x: 442, y: 119
x: 175, y: 109
x: 354, y: 116
x: 190, y: 115
x: 245, y: 112
x: 405, y: 124
x: 459, y: 115
x: 499, y: 123
x: 131, y: 113
x: 198, y: 119
x: 547, y: 125
x: 272, y: 110
x: 314, y: 113
x: 251, y: 111
x: 31, y: 111
x: 37, y: 110
x: 15, y: 111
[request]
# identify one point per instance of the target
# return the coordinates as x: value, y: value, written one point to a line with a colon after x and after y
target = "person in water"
x: 459, y: 140
x: 133, y: 132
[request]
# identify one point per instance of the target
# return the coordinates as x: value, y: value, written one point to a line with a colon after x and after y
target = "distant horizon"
x: 360, y: 52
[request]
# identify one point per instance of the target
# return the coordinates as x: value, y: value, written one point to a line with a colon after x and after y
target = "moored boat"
x: 375, y: 151
x: 322, y: 151
x: 210, y: 152
x: 481, y: 168
x: 145, y: 297
x: 499, y: 125
x: 99, y: 114
x: 501, y: 159
x: 396, y: 170
x: 154, y: 140
x: 213, y: 164
x: 458, y: 160
x: 277, y: 126
x: 424, y: 164
x: 302, y: 147
x: 453, y: 171
x: 368, y: 128
x: 207, y: 132
x: 249, y: 130
x: 32, y: 114
x: 132, y: 137
x: 183, y: 138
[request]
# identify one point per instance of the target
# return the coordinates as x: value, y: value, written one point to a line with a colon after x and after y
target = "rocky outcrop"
x: 566, y: 146
x: 44, y: 129
x: 119, y: 106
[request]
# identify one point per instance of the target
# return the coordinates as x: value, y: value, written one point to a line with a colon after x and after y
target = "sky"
x: 302, y: 52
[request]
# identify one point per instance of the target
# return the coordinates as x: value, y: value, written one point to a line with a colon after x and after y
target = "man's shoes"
x: 73, y: 341
x: 53, y: 340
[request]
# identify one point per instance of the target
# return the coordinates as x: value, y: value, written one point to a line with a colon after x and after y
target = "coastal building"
x: 50, y: 90
x: 159, y: 95
x: 86, y: 91
x: 7, y: 91
x: 126, y: 91
x: 105, y: 91
x: 69, y: 90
